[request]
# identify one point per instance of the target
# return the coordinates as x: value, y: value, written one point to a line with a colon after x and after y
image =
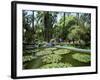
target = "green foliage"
x: 28, y: 58
x: 55, y: 59
x: 76, y: 32
x: 69, y: 21
x: 57, y: 65
x: 52, y: 49
x: 43, y: 27
x: 43, y: 52
x: 62, y: 51
x: 82, y: 57
x: 51, y: 58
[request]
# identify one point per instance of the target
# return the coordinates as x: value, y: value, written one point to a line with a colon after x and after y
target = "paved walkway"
x: 74, y: 49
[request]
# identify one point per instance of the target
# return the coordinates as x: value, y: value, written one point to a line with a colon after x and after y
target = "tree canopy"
x: 46, y: 25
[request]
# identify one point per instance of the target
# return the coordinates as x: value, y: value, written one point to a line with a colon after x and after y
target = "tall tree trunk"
x: 64, y: 20
x: 63, y: 27
x: 46, y: 31
x: 78, y: 18
x: 33, y: 31
x: 48, y: 26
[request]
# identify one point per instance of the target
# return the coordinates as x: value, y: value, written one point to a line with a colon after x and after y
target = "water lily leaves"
x: 43, y: 52
x: 28, y: 58
x: 82, y: 57
x: 62, y: 51
x: 57, y: 65
x: 52, y: 58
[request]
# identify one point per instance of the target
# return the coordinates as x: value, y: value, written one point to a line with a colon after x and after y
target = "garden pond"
x: 54, y: 58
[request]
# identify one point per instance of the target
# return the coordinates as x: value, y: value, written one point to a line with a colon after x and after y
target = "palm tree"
x: 46, y: 19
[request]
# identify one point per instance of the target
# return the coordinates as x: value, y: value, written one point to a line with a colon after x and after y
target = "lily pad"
x: 52, y: 58
x: 28, y: 58
x: 57, y: 65
x: 62, y: 51
x: 44, y: 52
x: 82, y: 57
